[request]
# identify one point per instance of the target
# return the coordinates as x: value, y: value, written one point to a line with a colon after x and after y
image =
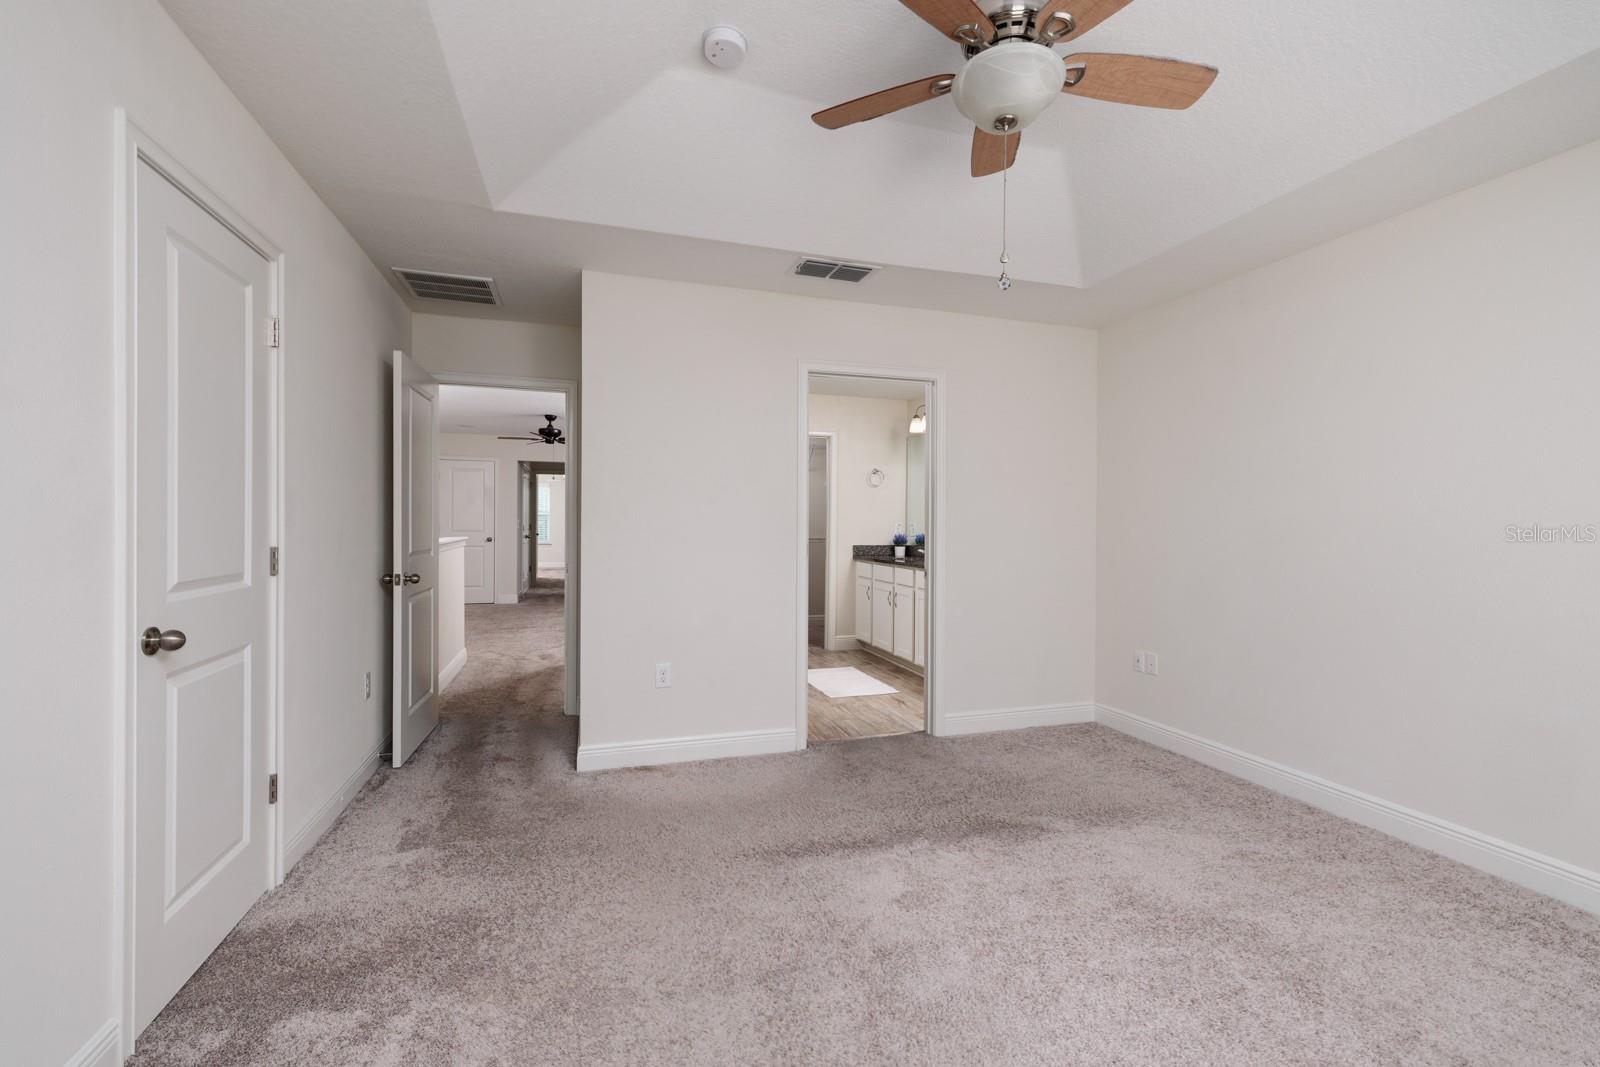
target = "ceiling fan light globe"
x: 1014, y: 78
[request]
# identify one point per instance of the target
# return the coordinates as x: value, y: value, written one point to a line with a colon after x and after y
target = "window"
x: 542, y: 522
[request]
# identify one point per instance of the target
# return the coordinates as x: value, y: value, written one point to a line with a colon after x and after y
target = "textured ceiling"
x: 498, y: 137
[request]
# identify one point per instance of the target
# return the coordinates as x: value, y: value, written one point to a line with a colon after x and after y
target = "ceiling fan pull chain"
x: 1005, y: 211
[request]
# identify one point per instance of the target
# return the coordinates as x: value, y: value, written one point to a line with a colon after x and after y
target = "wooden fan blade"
x: 993, y: 152
x: 1145, y: 81
x: 1086, y: 15
x: 948, y: 16
x: 882, y: 103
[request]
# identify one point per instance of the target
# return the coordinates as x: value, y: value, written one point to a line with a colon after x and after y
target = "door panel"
x: 525, y: 576
x: 466, y: 509
x: 415, y: 681
x: 882, y: 615
x: 904, y: 621
x: 202, y: 513
x: 864, y: 610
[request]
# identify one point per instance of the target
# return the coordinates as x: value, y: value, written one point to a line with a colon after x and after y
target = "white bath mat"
x: 839, y: 682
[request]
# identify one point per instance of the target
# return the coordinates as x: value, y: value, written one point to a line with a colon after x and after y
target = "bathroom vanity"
x: 891, y: 608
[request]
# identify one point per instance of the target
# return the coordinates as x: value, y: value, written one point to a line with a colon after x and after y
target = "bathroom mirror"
x: 916, y: 483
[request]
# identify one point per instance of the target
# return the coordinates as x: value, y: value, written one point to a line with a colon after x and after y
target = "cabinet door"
x: 883, y: 615
x: 905, y: 617
x: 864, y: 610
x: 920, y: 652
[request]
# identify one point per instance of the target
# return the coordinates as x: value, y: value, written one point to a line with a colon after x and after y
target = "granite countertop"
x: 885, y: 554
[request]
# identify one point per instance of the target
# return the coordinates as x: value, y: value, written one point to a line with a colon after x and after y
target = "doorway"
x: 507, y: 448
x: 866, y: 607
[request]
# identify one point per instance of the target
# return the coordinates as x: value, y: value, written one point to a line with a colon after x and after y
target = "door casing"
x: 132, y: 145
x: 934, y: 568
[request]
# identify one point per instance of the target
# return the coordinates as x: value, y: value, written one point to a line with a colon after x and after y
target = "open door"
x: 414, y: 580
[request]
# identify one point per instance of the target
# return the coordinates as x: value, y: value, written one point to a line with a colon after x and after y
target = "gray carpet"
x: 1063, y: 895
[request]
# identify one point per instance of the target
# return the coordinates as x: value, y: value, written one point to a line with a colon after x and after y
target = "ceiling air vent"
x: 839, y: 272
x: 432, y: 285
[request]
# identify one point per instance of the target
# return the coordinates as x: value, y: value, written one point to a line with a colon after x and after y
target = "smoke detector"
x: 724, y: 47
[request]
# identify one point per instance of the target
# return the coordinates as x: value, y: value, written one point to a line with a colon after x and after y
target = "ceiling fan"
x: 547, y: 434
x: 1011, y: 73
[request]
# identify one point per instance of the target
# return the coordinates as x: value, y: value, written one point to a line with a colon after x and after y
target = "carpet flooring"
x: 1064, y: 895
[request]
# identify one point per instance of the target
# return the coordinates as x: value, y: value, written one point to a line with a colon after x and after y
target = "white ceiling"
x: 490, y: 137
x: 482, y: 409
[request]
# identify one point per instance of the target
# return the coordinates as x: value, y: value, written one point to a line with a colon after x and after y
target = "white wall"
x: 1305, y: 478
x: 64, y: 67
x: 446, y: 343
x: 452, y: 607
x: 507, y: 534
x: 554, y: 554
x: 690, y: 542
x: 870, y: 434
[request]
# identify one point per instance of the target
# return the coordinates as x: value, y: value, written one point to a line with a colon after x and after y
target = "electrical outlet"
x: 1138, y: 662
x: 663, y: 675
x: 1152, y: 663
x: 366, y: 684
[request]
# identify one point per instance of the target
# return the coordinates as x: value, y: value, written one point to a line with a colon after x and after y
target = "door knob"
x: 412, y: 579
x: 156, y: 640
x: 488, y: 540
x: 391, y: 579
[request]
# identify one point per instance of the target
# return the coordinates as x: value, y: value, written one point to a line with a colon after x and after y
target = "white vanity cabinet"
x: 919, y: 652
x: 892, y: 611
x: 864, y: 603
x: 882, y: 607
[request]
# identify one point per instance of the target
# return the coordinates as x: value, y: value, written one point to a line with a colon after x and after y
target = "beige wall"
x: 1306, y: 475
x: 65, y: 67
x: 448, y: 343
x: 690, y: 541
x: 870, y: 433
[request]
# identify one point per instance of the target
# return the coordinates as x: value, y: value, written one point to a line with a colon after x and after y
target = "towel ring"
x: 876, y: 477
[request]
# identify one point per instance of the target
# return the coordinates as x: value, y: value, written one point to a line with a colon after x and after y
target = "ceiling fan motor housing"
x: 1013, y: 80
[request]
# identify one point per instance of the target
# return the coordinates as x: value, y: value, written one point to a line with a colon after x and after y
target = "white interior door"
x: 202, y: 523
x: 524, y: 527
x: 466, y: 509
x: 415, y: 578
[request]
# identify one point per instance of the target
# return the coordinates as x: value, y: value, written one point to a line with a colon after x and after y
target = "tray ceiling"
x: 489, y: 137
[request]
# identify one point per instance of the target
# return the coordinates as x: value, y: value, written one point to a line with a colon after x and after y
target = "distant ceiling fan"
x: 1011, y: 74
x: 548, y: 434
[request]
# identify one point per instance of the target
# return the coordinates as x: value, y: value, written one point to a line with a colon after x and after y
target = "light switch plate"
x: 1152, y: 663
x: 1138, y: 662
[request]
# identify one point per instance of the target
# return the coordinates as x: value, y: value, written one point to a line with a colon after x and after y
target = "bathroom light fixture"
x: 919, y: 421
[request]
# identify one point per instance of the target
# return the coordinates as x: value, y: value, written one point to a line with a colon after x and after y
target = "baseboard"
x: 101, y: 1050
x: 453, y: 668
x: 1541, y: 873
x: 842, y: 644
x: 502, y: 598
x: 328, y: 814
x: 958, y: 723
x: 683, y: 749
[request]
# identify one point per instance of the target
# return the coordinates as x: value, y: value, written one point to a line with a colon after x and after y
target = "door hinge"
x: 272, y: 332
x: 272, y: 561
x: 272, y: 789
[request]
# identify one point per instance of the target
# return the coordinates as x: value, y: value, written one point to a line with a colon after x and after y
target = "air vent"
x: 839, y: 272
x: 432, y: 285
